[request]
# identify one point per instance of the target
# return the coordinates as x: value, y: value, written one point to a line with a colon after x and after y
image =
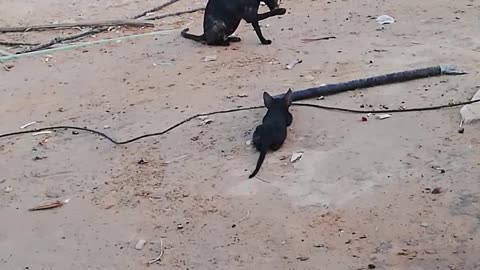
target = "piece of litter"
x: 66, y: 201
x: 385, y: 19
x: 206, y: 121
x: 383, y: 116
x: 28, y: 124
x: 321, y: 98
x: 210, y: 58
x: 249, y: 142
x: 42, y: 133
x: 296, y: 157
x: 48, y: 57
x: 8, y: 189
x: 242, y: 95
x: 293, y: 63
x: 140, y: 244
x: 47, y: 206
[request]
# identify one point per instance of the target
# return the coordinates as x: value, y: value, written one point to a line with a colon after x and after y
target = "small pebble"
x: 140, y: 244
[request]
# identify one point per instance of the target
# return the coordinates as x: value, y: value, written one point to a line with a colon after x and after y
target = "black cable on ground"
x: 450, y: 105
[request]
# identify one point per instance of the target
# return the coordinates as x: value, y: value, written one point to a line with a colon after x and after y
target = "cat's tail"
x: 185, y: 34
x: 261, y: 158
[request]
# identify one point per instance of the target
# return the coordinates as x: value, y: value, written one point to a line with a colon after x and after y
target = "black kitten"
x: 271, y: 134
x: 222, y: 18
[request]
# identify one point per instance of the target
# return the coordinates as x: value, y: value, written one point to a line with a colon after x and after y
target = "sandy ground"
x: 361, y: 194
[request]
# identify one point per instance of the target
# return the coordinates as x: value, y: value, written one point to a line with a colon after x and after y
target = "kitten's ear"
x: 267, y: 100
x: 288, y: 97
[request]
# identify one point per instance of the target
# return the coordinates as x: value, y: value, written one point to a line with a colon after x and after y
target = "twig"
x: 42, y: 27
x: 159, y: 258
x: 263, y: 180
x: 317, y: 39
x: 155, y: 9
x: 67, y: 38
x: 174, y: 14
x: 92, y: 31
x: 244, y: 218
x: 14, y: 44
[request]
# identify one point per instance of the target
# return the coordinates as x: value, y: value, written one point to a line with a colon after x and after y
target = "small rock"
x: 179, y: 226
x: 437, y: 190
x: 249, y: 142
x: 210, y: 58
x: 371, y: 266
x: 8, y: 189
x: 140, y: 244
x: 242, y: 95
x: 303, y: 258
x: 424, y: 224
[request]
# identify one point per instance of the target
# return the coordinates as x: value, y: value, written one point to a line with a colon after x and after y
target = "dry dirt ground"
x: 361, y: 194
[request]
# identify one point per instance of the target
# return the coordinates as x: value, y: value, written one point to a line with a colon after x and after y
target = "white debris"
x: 385, y: 19
x: 383, y: 116
x: 140, y: 244
x: 8, y: 189
x: 210, y: 58
x: 42, y: 133
x: 249, y: 142
x: 296, y: 157
x: 293, y: 63
x: 28, y: 124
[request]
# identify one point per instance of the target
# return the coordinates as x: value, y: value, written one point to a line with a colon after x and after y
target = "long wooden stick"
x: 15, y: 44
x: 173, y: 14
x: 92, y: 31
x: 43, y: 27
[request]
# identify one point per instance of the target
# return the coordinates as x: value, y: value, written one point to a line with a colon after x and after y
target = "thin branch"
x: 92, y: 31
x: 63, y: 39
x: 43, y: 27
x: 174, y: 14
x: 155, y: 9
x: 15, y: 44
x: 159, y: 258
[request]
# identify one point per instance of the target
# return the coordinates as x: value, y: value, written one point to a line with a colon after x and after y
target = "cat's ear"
x: 288, y: 97
x: 267, y: 99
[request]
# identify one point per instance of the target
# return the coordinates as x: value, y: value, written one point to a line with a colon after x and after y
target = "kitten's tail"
x: 261, y: 158
x: 191, y: 36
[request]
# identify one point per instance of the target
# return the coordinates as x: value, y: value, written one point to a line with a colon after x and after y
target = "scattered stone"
x: 371, y: 266
x: 437, y: 190
x: 303, y: 258
x: 210, y: 58
x: 179, y: 226
x: 8, y: 189
x: 424, y: 224
x: 140, y: 244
